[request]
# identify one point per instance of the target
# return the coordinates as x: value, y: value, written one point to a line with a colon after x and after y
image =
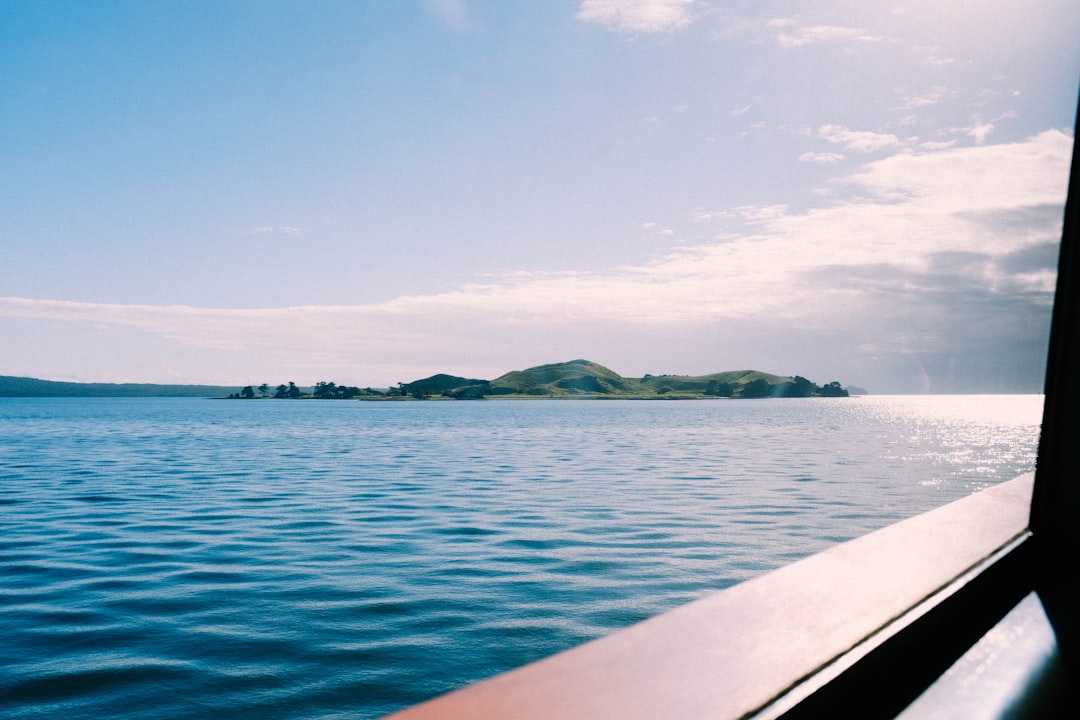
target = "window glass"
x: 829, y: 229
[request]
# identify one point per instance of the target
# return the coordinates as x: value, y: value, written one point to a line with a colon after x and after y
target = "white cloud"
x: 703, y: 215
x: 924, y: 98
x: 830, y: 272
x: 932, y: 145
x: 857, y: 140
x: 939, y: 61
x: 657, y: 230
x: 637, y: 16
x: 826, y: 34
x: 821, y: 158
x: 761, y: 213
x: 981, y: 131
x: 914, y: 204
x: 783, y: 22
x: 1002, y: 177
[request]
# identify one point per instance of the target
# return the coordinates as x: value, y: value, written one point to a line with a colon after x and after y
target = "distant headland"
x: 573, y: 379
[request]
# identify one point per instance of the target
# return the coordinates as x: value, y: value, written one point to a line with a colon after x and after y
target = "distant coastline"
x: 32, y: 387
x: 573, y: 379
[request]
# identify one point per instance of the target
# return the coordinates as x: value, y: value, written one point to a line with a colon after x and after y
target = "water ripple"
x: 184, y: 558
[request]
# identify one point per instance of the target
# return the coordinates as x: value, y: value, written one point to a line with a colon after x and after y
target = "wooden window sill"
x: 763, y: 646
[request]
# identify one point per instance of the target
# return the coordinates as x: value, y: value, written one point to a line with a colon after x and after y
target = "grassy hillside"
x: 699, y: 384
x: 577, y: 377
x: 582, y: 378
x: 449, y: 385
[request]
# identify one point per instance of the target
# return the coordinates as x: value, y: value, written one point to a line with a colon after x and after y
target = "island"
x: 583, y: 378
x: 573, y: 379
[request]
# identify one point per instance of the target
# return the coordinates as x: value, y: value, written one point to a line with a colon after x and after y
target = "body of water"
x: 180, y: 558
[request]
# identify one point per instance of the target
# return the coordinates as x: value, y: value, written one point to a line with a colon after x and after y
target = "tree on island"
x: 759, y: 388
x: 801, y: 387
x: 264, y: 390
x: 325, y: 389
x: 715, y: 388
x: 833, y: 389
x: 796, y: 387
x: 333, y: 391
x: 291, y: 392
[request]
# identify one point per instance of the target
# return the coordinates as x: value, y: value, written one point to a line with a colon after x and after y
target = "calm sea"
x: 179, y: 558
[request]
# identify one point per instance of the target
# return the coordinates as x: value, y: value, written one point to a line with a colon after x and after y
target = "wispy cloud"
x: 939, y: 60
x: 637, y: 16
x: 703, y: 215
x: 862, y: 141
x: 761, y: 213
x: 912, y: 205
x: 821, y: 158
x: 980, y: 131
x: 812, y: 34
x: 923, y: 98
x: 783, y: 22
x: 934, y: 145
x: 854, y: 271
x: 656, y: 230
x: 975, y: 179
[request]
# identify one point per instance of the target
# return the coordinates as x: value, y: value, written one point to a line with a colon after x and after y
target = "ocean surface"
x: 185, y: 558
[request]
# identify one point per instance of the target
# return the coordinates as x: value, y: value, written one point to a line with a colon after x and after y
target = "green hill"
x: 711, y: 384
x: 583, y: 378
x: 577, y: 377
x: 449, y: 385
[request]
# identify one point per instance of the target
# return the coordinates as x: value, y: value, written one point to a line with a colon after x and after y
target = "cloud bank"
x: 934, y: 274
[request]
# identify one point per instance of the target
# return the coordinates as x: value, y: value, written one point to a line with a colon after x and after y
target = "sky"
x: 374, y: 192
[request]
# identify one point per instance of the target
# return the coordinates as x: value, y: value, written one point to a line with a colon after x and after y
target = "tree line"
x: 321, y: 391
x: 760, y: 388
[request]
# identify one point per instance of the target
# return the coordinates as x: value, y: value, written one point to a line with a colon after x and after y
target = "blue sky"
x: 373, y: 192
